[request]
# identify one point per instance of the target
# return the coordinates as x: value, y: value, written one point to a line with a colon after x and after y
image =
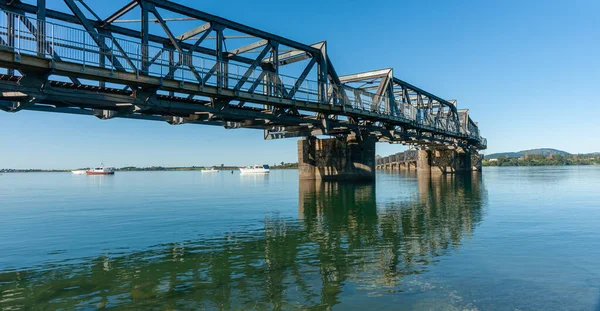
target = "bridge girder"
x: 396, y: 111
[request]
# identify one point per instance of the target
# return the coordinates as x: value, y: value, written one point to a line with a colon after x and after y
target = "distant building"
x: 493, y: 160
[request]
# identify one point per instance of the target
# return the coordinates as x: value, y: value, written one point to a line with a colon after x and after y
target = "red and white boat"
x: 102, y: 170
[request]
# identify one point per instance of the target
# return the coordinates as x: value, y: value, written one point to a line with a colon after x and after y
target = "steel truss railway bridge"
x: 133, y: 64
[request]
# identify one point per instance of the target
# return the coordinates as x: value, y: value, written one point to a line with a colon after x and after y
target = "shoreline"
x: 127, y: 171
x: 237, y: 169
x: 544, y: 165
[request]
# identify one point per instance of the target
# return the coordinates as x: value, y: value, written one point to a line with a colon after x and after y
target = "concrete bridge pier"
x: 443, y: 161
x: 423, y: 162
x: 346, y: 158
x: 450, y: 161
x: 476, y: 161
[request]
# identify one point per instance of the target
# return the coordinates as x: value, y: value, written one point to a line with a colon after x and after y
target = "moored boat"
x: 102, y: 170
x: 79, y: 172
x: 259, y: 169
x: 209, y: 170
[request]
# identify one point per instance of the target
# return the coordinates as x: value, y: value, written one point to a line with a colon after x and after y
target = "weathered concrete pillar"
x: 336, y: 158
x: 307, y: 159
x: 451, y: 161
x: 402, y: 166
x: 476, y: 161
x: 462, y: 162
x: 423, y: 164
x: 441, y: 161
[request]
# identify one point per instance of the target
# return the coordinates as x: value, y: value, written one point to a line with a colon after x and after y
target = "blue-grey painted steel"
x: 69, y: 45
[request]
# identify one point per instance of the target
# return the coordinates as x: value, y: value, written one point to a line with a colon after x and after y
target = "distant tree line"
x: 33, y: 170
x: 283, y: 166
x: 222, y: 167
x: 179, y: 168
x: 540, y: 160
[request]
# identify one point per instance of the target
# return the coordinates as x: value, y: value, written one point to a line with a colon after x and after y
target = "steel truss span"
x: 132, y: 64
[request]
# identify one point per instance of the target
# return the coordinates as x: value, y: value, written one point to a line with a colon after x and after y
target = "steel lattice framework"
x: 218, y: 72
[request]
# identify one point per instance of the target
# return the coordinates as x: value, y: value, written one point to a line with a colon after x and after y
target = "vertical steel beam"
x: 41, y: 27
x: 226, y: 73
x: 391, y: 98
x: 406, y: 100
x: 102, y: 56
x: 323, y: 74
x: 266, y: 89
x: 172, y: 67
x: 145, y: 35
x: 273, y: 85
x: 11, y: 36
x: 276, y: 87
x: 219, y: 49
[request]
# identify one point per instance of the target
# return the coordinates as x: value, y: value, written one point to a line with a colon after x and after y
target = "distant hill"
x: 540, y: 151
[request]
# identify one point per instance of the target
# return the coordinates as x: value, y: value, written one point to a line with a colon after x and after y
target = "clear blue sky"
x: 529, y: 71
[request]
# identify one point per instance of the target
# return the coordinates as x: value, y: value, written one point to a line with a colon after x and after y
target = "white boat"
x: 209, y: 170
x: 79, y: 172
x: 102, y: 170
x: 257, y: 169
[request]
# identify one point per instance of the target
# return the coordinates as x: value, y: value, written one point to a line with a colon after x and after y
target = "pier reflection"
x: 342, y: 240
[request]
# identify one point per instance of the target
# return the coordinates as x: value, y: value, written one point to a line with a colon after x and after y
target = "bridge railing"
x: 61, y: 42
x: 27, y: 35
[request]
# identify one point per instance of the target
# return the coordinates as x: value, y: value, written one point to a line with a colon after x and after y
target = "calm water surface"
x: 508, y: 239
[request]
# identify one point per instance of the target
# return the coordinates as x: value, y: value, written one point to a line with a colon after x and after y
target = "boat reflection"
x: 96, y: 181
x: 343, y: 239
x: 251, y: 178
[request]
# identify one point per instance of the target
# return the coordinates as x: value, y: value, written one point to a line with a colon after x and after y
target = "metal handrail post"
x: 18, y: 36
x: 52, y: 39
x: 137, y: 57
x: 162, y: 54
x: 202, y: 71
x: 112, y: 55
x: 83, y: 50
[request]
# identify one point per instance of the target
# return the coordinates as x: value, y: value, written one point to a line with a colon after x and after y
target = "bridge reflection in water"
x: 344, y: 240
